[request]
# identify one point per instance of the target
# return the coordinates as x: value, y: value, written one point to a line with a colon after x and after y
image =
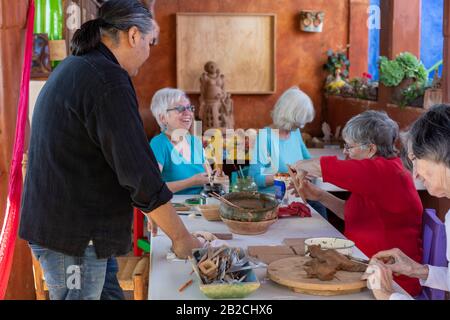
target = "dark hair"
x: 113, y: 16
x: 373, y: 127
x: 430, y: 135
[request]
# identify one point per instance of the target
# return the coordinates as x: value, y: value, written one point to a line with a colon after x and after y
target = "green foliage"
x: 404, y: 66
x: 412, y: 93
x: 412, y: 67
x: 391, y: 72
x: 337, y: 60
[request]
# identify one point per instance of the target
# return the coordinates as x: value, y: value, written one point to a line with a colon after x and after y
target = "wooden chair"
x: 132, y: 275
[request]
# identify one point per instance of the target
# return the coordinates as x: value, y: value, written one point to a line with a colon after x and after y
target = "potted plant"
x: 406, y: 74
x: 338, y: 68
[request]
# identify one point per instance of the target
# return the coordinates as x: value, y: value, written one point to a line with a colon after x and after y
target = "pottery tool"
x: 209, y: 173
x: 184, y: 286
x: 222, y: 199
x: 363, y: 261
x: 242, y: 172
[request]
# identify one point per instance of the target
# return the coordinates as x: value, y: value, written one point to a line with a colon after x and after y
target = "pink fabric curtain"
x: 11, y: 221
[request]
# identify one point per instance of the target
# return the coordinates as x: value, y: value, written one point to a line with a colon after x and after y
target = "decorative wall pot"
x: 311, y: 21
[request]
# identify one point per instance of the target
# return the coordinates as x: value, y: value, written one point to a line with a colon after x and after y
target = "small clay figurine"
x: 326, y: 132
x: 216, y: 105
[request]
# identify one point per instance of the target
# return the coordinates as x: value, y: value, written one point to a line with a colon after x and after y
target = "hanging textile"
x: 11, y: 220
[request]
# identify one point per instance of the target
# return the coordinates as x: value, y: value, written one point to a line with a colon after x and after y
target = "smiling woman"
x: 180, y: 155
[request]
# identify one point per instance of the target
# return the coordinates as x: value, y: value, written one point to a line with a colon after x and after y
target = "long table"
x: 167, y: 275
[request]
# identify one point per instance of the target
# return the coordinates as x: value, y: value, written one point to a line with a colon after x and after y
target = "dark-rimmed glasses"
x: 181, y: 109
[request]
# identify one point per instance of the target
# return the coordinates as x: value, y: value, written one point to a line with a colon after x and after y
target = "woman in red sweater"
x: 384, y: 209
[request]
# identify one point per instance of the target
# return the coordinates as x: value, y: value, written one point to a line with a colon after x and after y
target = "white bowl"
x: 342, y: 246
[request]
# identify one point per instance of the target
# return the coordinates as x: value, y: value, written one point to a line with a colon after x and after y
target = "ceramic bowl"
x: 343, y: 246
x: 249, y: 228
x: 255, y: 207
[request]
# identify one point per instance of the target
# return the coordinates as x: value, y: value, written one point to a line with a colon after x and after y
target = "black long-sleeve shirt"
x: 89, y: 160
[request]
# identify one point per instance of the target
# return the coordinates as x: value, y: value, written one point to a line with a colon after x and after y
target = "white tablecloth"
x: 166, y: 276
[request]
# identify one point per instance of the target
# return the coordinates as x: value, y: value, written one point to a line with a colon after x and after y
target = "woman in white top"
x: 429, y: 151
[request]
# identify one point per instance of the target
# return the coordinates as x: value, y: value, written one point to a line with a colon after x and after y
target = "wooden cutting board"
x: 289, y: 272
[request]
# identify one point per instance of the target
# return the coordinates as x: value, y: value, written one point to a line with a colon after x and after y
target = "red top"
x: 384, y: 210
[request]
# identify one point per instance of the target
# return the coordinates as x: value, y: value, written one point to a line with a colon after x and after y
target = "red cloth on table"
x: 384, y: 210
x: 294, y: 209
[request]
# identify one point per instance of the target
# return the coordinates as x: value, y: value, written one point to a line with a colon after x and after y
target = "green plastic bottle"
x: 54, y: 22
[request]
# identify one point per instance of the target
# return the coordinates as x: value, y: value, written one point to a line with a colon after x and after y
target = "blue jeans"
x: 72, y: 278
x: 111, y: 288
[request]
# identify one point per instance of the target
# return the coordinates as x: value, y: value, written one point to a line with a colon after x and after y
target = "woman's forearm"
x: 333, y: 203
x: 179, y: 185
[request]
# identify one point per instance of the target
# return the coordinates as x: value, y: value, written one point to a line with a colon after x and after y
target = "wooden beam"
x: 358, y: 37
x: 400, y: 32
x: 446, y: 68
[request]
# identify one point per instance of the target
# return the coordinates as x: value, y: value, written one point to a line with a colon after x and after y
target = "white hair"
x: 163, y: 99
x: 293, y: 109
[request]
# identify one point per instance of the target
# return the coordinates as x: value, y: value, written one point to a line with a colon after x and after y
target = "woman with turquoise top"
x: 281, y: 143
x: 180, y: 155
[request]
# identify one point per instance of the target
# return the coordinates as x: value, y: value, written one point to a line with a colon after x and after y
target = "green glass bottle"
x: 54, y: 22
x: 39, y: 16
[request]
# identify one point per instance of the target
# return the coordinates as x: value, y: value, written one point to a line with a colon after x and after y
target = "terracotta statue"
x: 216, y: 105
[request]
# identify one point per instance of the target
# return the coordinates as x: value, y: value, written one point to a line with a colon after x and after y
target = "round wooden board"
x: 289, y: 272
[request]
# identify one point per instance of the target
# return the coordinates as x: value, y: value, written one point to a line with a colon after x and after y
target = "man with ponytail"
x: 89, y: 160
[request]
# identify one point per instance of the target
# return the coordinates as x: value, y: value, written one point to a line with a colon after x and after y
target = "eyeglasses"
x: 348, y: 147
x: 154, y: 42
x: 181, y: 109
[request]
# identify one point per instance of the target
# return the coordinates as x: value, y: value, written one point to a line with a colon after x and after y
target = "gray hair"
x: 113, y: 16
x: 163, y: 99
x: 294, y: 108
x: 373, y: 127
x: 430, y: 135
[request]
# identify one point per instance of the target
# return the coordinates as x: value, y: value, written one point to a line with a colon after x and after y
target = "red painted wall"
x: 299, y: 55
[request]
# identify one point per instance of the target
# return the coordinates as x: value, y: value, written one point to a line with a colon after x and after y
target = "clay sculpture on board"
x: 325, y: 264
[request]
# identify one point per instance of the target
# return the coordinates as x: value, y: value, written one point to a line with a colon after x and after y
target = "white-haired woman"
x: 429, y: 151
x: 384, y: 209
x: 180, y: 155
x: 282, y: 143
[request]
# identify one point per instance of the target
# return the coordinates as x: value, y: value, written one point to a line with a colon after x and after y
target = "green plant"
x: 391, y: 72
x: 337, y: 60
x: 404, y: 66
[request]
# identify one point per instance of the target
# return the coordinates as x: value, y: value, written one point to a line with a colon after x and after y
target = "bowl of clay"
x: 343, y: 246
x: 253, y: 207
x: 249, y: 228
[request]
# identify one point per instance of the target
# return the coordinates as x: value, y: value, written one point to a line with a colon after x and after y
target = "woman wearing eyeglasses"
x: 180, y: 155
x: 429, y: 150
x: 384, y: 209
